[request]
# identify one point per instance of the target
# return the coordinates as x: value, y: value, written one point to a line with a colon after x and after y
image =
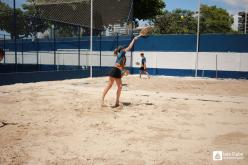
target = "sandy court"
x: 162, y: 121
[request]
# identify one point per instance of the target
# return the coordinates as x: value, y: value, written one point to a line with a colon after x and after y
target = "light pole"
x: 198, y: 38
x: 14, y: 5
x: 91, y: 36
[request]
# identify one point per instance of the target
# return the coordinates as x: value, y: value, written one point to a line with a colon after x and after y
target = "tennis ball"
x: 182, y: 17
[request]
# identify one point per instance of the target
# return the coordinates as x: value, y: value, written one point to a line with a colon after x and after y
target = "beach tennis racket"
x: 125, y: 72
x: 145, y: 31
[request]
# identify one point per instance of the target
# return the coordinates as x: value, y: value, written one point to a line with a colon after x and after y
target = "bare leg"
x: 119, y: 88
x: 140, y: 73
x: 147, y: 74
x: 110, y: 83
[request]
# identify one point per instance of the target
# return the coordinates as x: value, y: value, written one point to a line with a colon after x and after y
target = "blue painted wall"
x: 27, y: 77
x: 165, y: 43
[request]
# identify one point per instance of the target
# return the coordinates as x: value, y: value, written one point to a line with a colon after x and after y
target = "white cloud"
x: 237, y: 3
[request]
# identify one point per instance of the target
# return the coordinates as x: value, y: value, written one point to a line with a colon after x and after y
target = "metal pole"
x: 246, y: 13
x: 91, y: 36
x: 198, y: 38
x: 22, y: 51
x: 54, y: 47
x: 216, y: 66
x: 37, y: 53
x: 79, y: 46
x: 14, y: 1
x: 37, y: 44
x: 4, y: 48
x: 100, y: 48
x: 132, y: 37
x: 117, y: 40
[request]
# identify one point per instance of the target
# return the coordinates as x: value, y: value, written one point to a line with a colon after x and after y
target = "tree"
x: 5, y: 17
x: 147, y: 9
x: 34, y: 23
x: 176, y: 22
x: 215, y: 20
x: 212, y: 20
x: 7, y: 20
x: 26, y: 20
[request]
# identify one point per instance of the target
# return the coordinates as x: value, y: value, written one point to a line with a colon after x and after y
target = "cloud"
x: 237, y: 3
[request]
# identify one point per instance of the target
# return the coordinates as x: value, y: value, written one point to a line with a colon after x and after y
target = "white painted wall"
x: 186, y: 60
x: 169, y: 60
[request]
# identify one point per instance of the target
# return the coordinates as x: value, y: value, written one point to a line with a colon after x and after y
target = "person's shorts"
x: 115, y: 73
x: 142, y: 69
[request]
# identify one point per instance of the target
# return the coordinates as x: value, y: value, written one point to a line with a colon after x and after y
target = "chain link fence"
x: 54, y: 35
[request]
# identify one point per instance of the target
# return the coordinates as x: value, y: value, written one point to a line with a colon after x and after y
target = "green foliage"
x: 26, y: 20
x: 148, y: 9
x: 215, y: 20
x: 176, y: 22
x: 33, y: 23
x: 212, y: 20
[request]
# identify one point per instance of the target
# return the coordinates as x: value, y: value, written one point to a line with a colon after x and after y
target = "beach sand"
x: 162, y: 121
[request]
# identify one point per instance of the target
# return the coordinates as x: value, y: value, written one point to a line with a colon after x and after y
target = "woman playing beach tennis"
x: 118, y: 71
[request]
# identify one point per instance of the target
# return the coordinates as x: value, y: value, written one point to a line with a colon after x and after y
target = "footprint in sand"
x: 231, y: 138
x: 149, y: 104
x: 126, y: 103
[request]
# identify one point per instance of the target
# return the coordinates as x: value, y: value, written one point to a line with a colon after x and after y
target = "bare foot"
x: 103, y: 104
x: 116, y: 105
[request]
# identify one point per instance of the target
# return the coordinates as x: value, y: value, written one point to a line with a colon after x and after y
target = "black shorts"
x: 142, y: 69
x: 115, y: 73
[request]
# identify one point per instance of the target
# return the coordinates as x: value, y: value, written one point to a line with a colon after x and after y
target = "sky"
x: 233, y: 6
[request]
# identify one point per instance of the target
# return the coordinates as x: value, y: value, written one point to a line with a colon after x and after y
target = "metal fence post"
x: 15, y: 46
x: 131, y: 60
x: 37, y: 53
x: 54, y: 47
x: 4, y: 48
x: 100, y: 49
x: 216, y: 66
x: 117, y: 40
x: 132, y: 50
x: 79, y: 37
x: 22, y: 52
